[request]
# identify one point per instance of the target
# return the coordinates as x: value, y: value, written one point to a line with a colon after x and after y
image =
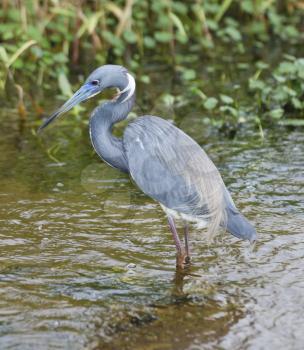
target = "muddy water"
x: 86, y: 260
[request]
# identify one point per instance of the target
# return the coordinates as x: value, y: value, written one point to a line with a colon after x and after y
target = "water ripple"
x: 87, y: 260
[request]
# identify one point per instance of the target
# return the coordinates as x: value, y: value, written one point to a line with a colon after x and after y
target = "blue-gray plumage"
x: 164, y: 162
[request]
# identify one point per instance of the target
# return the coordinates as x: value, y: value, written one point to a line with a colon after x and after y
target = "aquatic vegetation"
x: 47, y: 41
x: 281, y: 94
x: 276, y: 97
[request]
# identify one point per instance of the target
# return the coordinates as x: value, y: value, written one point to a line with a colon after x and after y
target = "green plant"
x: 281, y: 94
x: 42, y: 42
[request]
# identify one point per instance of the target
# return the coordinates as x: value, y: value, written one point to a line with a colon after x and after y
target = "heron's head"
x: 107, y: 76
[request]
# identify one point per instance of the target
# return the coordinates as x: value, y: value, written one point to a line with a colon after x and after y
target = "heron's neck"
x: 107, y: 146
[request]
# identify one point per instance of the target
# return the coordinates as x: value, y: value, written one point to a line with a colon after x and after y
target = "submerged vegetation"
x: 46, y: 41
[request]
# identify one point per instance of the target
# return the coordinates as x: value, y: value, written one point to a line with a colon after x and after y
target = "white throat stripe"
x: 130, y: 88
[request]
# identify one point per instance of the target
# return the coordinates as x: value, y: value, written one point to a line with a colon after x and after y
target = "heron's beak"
x: 85, y: 92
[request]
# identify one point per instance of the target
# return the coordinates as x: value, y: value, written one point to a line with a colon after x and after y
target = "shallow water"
x: 87, y: 261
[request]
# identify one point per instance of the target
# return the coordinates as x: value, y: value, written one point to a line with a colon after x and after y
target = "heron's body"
x: 164, y: 162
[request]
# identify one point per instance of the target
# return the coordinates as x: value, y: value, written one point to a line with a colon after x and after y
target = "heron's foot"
x: 183, y: 260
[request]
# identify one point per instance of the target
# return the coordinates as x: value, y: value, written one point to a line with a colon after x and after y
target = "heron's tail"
x: 239, y: 226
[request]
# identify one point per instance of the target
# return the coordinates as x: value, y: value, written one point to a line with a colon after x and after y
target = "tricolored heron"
x: 164, y: 162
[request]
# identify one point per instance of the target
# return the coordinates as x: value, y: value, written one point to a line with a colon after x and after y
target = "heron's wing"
x: 172, y: 168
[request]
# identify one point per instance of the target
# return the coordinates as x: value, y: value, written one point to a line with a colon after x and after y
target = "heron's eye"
x: 95, y: 82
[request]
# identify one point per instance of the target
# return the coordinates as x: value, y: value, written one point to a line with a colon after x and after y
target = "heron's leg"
x: 186, y: 237
x: 177, y: 241
x: 182, y: 258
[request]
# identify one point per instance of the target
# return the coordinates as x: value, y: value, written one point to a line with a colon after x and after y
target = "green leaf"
x: 112, y: 39
x: 296, y: 103
x: 289, y: 57
x: 195, y: 90
x: 230, y: 110
x: 255, y: 84
x: 179, y: 7
x: 247, y: 6
x: 64, y: 85
x: 189, y: 74
x: 292, y: 122
x: 65, y: 12
x: 145, y: 79
x: 3, y: 54
x: 300, y: 67
x: 60, y: 57
x: 279, y: 78
x: 179, y: 25
x: 289, y: 91
x: 130, y: 36
x: 149, y: 42
x: 262, y: 65
x: 19, y: 52
x: 276, y: 113
x: 168, y: 99
x: 287, y: 68
x: 280, y: 94
x: 226, y: 99
x: 233, y: 33
x: 224, y: 7
x: 243, y: 65
x: 163, y: 37
x: 210, y: 103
